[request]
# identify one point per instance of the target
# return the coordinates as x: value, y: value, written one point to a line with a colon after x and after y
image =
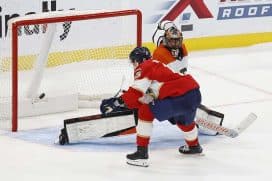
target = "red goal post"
x: 57, y: 17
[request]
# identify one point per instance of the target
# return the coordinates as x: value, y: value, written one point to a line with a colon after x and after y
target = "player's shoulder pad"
x: 144, y: 69
x: 163, y: 55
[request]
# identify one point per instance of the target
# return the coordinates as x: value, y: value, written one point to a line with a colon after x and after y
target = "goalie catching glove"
x: 114, y: 104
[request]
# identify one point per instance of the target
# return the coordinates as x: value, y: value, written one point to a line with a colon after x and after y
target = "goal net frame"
x: 56, y: 17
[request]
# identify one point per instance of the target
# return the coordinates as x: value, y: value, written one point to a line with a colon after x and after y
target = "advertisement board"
x: 198, y: 19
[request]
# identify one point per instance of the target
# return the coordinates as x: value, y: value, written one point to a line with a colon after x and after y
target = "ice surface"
x: 233, y: 81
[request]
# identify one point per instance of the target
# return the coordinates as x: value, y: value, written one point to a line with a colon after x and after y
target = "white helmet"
x: 165, y: 25
x: 161, y: 29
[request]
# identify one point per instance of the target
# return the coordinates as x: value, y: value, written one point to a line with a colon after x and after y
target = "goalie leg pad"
x: 96, y: 126
x: 204, y: 113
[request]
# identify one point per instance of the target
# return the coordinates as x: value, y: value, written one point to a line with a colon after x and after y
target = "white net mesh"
x: 5, y: 83
x: 86, y: 57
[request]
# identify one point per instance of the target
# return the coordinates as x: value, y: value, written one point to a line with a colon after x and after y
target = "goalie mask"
x: 160, y: 31
x: 172, y: 38
x: 139, y: 54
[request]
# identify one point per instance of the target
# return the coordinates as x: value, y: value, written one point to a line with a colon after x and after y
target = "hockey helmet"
x: 139, y: 54
x: 173, y: 38
x: 165, y: 25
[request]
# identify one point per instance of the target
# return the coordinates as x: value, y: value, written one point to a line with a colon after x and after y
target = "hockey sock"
x: 144, y: 130
x: 142, y: 141
x: 190, y: 133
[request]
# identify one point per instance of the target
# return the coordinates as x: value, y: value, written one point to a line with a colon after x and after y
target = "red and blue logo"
x: 199, y: 7
x: 176, y: 8
x: 226, y: 11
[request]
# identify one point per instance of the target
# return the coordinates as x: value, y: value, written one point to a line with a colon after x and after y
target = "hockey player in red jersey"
x: 172, y: 51
x: 170, y: 96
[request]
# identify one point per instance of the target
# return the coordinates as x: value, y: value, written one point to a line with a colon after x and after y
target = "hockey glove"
x: 114, y: 104
x: 148, y: 97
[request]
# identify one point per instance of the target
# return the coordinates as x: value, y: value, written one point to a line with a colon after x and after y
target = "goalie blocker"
x: 121, y: 121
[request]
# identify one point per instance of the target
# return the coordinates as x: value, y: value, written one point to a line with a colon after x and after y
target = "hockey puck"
x: 42, y: 95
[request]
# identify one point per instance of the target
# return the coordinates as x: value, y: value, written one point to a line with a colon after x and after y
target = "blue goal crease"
x: 164, y: 136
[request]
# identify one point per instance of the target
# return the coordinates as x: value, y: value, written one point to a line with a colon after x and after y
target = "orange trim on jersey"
x: 130, y: 131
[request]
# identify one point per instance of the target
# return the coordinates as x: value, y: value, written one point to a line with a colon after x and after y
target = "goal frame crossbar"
x: 57, y: 17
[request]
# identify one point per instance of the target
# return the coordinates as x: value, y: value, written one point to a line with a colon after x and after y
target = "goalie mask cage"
x: 49, y: 60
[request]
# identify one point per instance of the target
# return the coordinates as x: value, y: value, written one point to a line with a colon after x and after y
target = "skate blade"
x: 140, y: 162
x: 193, y: 155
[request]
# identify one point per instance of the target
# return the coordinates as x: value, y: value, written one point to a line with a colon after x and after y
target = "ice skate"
x: 138, y: 158
x: 191, y: 150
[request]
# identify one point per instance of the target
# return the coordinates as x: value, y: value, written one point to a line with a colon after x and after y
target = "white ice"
x: 233, y: 81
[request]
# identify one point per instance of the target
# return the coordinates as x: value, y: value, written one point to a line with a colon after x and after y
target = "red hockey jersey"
x: 162, y: 81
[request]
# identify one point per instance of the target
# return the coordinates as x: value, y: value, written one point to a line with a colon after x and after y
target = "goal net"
x: 51, y: 62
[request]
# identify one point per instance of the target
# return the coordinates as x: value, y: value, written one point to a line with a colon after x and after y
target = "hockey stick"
x: 121, y: 86
x: 230, y: 132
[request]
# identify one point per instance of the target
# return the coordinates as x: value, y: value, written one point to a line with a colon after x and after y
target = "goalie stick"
x: 230, y: 132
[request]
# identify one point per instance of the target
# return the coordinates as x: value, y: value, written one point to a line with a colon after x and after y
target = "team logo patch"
x: 137, y: 73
